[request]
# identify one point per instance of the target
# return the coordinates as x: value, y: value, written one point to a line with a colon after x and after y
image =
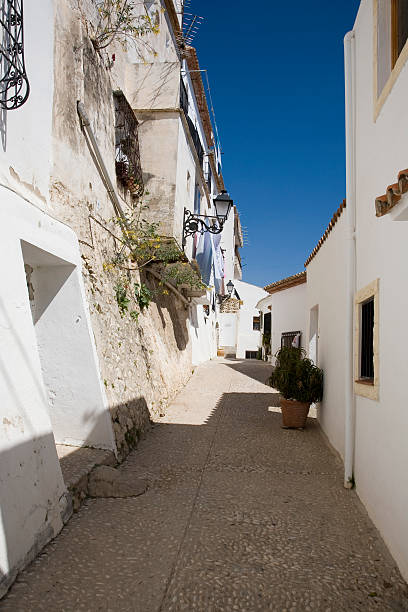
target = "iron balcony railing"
x: 183, y: 98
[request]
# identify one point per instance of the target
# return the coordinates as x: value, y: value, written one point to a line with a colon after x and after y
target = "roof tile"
x: 329, y: 228
x: 384, y: 203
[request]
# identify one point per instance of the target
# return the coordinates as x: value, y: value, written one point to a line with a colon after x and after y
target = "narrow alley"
x: 239, y: 514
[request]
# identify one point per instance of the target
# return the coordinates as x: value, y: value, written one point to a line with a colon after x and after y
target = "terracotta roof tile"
x: 384, y: 203
x: 286, y: 283
x: 329, y: 228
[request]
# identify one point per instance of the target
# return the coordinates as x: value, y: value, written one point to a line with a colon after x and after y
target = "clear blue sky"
x: 277, y: 82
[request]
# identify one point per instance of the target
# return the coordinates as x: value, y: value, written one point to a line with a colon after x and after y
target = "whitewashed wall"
x: 326, y: 286
x: 247, y: 338
x: 288, y: 314
x: 40, y: 389
x: 25, y: 133
x: 202, y: 333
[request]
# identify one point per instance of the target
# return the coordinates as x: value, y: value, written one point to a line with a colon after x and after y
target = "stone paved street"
x: 239, y: 515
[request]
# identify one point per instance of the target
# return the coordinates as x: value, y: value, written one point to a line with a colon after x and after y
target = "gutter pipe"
x: 103, y: 171
x: 349, y: 425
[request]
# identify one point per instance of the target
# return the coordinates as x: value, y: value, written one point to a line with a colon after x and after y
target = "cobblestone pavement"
x: 239, y: 515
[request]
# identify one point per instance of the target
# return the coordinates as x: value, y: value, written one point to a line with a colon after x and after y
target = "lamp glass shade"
x: 223, y: 204
x: 230, y: 287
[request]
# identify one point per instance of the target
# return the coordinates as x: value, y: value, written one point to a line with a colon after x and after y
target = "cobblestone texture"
x: 239, y: 515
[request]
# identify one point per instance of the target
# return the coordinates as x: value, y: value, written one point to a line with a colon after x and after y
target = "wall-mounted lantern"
x: 230, y: 288
x: 194, y: 223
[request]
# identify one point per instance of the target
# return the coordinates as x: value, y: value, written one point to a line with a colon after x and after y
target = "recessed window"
x: 391, y: 47
x: 366, y: 349
x: 367, y: 341
x: 256, y: 323
x: 251, y: 354
x: 399, y: 28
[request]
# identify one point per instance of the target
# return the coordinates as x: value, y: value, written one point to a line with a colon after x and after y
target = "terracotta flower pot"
x: 294, y: 414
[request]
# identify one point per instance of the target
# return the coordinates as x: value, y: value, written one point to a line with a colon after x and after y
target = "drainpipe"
x: 349, y: 426
x: 103, y: 171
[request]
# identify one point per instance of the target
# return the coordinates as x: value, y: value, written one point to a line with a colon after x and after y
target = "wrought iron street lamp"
x: 194, y: 223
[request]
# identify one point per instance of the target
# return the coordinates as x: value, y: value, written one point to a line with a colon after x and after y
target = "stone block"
x: 105, y: 481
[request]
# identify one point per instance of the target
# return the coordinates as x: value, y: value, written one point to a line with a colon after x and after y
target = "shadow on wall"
x: 176, y: 309
x: 34, y: 502
x: 34, y: 505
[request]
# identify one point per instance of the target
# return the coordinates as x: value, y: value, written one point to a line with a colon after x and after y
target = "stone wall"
x: 143, y: 362
x: 230, y: 305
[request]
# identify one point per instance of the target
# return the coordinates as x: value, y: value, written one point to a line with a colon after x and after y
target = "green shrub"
x: 296, y: 377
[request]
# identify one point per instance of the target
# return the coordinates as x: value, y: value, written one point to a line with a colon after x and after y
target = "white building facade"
x: 283, y: 315
x: 357, y: 294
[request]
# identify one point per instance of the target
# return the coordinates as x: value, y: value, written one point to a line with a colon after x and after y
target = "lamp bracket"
x: 193, y: 224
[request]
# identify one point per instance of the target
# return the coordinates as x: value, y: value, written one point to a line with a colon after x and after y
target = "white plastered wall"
x: 202, y: 333
x: 23, y: 167
x: 326, y: 291
x: 288, y: 314
x: 32, y: 490
x: 381, y: 453
x: 248, y: 339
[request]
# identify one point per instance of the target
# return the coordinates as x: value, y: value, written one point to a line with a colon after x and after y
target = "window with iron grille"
x: 367, y: 340
x: 287, y: 338
x: 14, y: 86
x: 127, y: 154
x: 196, y: 140
x: 251, y: 354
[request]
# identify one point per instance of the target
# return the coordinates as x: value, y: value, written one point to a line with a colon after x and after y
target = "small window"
x: 399, y: 28
x: 256, y: 323
x: 251, y: 354
x: 292, y: 338
x: 367, y: 340
x: 366, y: 352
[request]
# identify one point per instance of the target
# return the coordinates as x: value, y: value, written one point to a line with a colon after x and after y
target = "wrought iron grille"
x: 287, y: 338
x: 367, y: 340
x: 14, y: 85
x: 183, y: 97
x: 127, y: 158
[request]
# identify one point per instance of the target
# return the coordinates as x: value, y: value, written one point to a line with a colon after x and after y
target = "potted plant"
x: 299, y: 382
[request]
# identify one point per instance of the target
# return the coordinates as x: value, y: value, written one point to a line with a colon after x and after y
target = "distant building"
x: 283, y: 315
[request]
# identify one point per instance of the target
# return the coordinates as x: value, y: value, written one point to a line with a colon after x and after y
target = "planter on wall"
x: 294, y: 414
x: 194, y: 293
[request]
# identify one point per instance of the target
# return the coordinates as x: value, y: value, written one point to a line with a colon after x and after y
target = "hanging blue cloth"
x: 204, y: 256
